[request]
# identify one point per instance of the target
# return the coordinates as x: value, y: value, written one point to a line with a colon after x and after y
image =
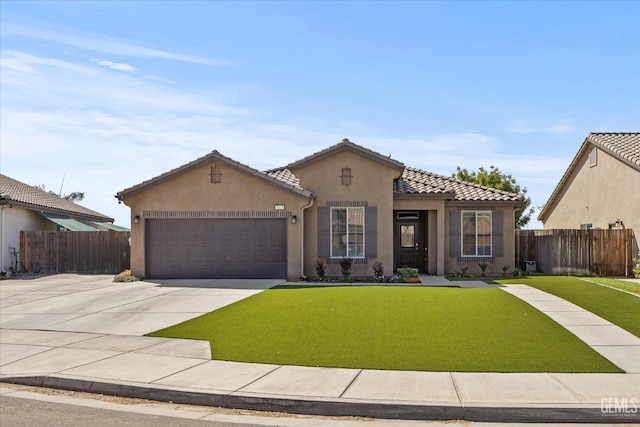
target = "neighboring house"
x: 217, y: 218
x: 26, y: 208
x: 601, y: 187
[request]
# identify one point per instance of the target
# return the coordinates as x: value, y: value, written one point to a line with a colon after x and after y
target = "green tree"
x: 494, y: 178
x: 74, y: 197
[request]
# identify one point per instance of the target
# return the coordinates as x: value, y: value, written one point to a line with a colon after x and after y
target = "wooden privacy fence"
x: 576, y: 252
x: 96, y: 252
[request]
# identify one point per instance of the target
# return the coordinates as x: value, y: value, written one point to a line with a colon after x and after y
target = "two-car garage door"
x: 222, y: 248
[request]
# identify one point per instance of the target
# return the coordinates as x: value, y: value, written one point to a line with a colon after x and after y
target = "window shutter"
x: 324, y: 232
x: 371, y: 232
x: 497, y: 234
x: 455, y: 234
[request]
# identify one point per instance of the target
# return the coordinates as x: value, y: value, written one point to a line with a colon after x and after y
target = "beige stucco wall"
x: 372, y: 182
x: 495, y: 267
x: 238, y: 191
x: 598, y: 195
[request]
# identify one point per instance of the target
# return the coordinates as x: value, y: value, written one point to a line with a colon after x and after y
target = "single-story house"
x: 217, y: 218
x: 601, y: 186
x: 24, y: 207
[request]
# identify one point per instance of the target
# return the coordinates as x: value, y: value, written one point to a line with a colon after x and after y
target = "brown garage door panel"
x: 216, y: 248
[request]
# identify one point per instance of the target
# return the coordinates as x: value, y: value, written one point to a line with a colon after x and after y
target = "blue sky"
x: 109, y: 94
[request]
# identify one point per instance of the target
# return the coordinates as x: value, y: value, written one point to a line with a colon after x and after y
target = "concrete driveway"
x: 94, y: 304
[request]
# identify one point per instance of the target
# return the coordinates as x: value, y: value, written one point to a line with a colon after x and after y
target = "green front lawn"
x: 619, y: 308
x: 392, y: 327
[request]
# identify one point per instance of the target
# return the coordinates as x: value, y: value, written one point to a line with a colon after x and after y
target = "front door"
x: 410, y: 242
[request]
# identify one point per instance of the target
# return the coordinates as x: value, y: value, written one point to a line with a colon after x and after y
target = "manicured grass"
x: 634, y: 288
x: 619, y: 308
x: 389, y: 327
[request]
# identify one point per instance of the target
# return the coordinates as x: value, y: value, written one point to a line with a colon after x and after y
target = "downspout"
x: 302, y: 209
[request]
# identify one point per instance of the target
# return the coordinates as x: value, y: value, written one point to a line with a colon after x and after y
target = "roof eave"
x: 514, y: 203
x: 48, y: 209
x: 347, y: 145
x: 213, y: 156
x: 440, y: 196
x: 554, y: 194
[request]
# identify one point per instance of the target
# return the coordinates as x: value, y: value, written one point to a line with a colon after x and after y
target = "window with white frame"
x: 476, y: 233
x: 347, y: 232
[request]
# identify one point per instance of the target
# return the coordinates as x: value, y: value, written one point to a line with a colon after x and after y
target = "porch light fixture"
x: 294, y: 219
x: 136, y: 219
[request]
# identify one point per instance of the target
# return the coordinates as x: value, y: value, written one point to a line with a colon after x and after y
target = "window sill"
x: 355, y: 260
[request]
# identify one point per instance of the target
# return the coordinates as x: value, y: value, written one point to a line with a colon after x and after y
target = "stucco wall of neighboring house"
x: 13, y: 220
x: 455, y: 263
x: 598, y: 195
x: 193, y: 191
x: 372, y: 182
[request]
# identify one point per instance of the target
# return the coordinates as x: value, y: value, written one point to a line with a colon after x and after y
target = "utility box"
x: 530, y: 266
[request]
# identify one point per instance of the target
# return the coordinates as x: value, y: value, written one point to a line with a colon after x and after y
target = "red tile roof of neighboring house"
x: 20, y: 194
x: 625, y: 146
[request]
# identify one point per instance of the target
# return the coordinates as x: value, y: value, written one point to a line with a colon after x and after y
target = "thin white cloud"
x: 116, y: 65
x: 560, y: 128
x: 99, y: 43
x: 126, y: 129
x: 25, y: 63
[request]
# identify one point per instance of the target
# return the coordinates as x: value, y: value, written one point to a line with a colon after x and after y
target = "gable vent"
x: 593, y: 156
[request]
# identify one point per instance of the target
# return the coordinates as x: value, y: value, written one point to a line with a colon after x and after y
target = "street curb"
x: 380, y: 410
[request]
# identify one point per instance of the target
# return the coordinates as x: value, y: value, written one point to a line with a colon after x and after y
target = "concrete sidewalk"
x: 69, y: 332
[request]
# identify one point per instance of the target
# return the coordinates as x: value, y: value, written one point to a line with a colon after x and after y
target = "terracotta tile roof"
x: 21, y: 194
x: 285, y: 175
x: 420, y: 182
x: 624, y: 146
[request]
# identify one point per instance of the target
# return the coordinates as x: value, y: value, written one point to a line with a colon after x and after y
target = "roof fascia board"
x: 431, y: 196
x: 514, y: 203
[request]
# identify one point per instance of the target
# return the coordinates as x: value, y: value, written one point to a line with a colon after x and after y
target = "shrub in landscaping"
x: 126, y: 276
x: 345, y: 264
x: 504, y: 270
x: 378, y: 271
x: 321, y: 268
x: 483, y: 266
